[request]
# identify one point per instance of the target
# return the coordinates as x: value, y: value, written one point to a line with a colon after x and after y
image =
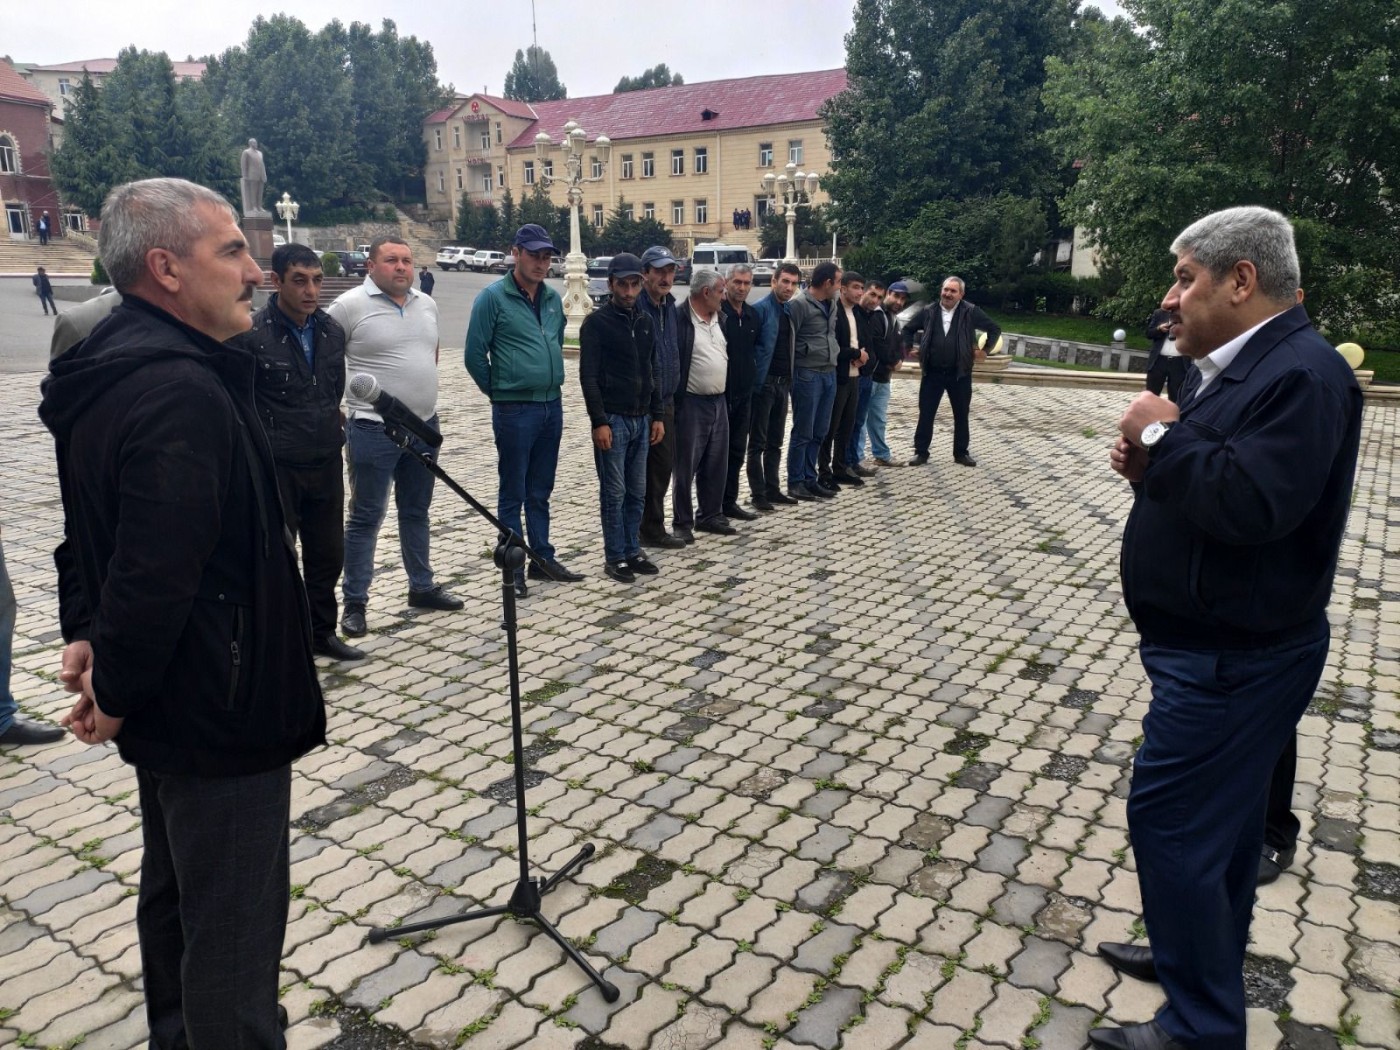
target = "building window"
x: 65, y: 86
x: 595, y: 169
x: 795, y: 151
x: 648, y: 210
x: 442, y: 183
x: 702, y: 212
x: 459, y: 179
x: 456, y: 137
x: 437, y: 138
x: 498, y: 132
x: 500, y: 176
x: 627, y: 165
x: 549, y: 169
x: 486, y: 183
x: 762, y: 207
x: 677, y: 213
x: 629, y: 213
x: 529, y: 173
x: 598, y: 216
x: 702, y: 160
x: 765, y: 154
x: 648, y: 166
x: 678, y: 162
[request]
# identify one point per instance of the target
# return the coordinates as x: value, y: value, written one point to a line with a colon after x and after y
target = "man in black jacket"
x: 616, y: 351
x: 1165, y: 365
x: 300, y: 354
x: 742, y: 327
x: 852, y: 337
x: 947, y: 349
x: 187, y: 627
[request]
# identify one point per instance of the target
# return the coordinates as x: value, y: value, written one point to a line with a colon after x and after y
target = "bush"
x: 1042, y: 292
x: 99, y: 272
x: 330, y: 264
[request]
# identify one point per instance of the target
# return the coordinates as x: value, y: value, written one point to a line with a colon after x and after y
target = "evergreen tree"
x: 658, y: 75
x: 533, y: 77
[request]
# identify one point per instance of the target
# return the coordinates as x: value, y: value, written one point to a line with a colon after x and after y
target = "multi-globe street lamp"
x: 793, y: 189
x: 287, y: 211
x: 577, y: 305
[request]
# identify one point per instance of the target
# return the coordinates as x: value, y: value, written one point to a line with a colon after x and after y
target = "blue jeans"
x: 8, y: 610
x: 813, y: 394
x: 855, y: 451
x: 375, y: 463
x: 876, y: 419
x: 622, y: 480
x: 527, y: 456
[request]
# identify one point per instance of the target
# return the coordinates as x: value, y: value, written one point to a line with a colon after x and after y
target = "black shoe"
x: 686, y: 536
x: 826, y: 481
x: 800, y: 493
x: 1146, y: 1036
x: 847, y: 479
x: 1135, y: 960
x: 282, y: 1019
x: 663, y: 540
x: 733, y: 510
x: 759, y: 503
x: 822, y: 491
x: 777, y: 498
x: 22, y: 731
x: 965, y: 460
x: 521, y: 590
x: 919, y: 460
x: 642, y: 565
x: 864, y: 472
x: 719, y: 527
x: 352, y: 620
x: 555, y: 572
x: 1273, y: 863
x: 619, y: 571
x: 333, y: 647
x: 436, y: 598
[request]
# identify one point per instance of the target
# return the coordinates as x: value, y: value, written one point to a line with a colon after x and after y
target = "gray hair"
x: 1259, y: 235
x: 152, y: 213
x: 741, y: 268
x: 962, y: 285
x: 703, y: 279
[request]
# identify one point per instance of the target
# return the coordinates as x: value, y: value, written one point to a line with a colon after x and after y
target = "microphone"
x: 364, y: 387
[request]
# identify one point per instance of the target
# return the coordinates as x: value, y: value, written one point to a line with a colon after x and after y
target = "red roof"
x: 507, y: 106
x: 15, y: 88
x: 783, y: 98
x: 100, y: 66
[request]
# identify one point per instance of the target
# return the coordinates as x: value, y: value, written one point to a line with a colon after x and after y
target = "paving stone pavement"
x: 856, y: 776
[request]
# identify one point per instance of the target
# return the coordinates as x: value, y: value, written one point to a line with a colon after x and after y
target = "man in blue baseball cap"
x: 657, y: 302
x: 515, y: 353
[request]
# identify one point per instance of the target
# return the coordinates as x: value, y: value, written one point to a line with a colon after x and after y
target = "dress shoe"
x: 642, y: 565
x: 778, y: 498
x: 352, y: 620
x: 733, y: 510
x: 800, y: 493
x: 717, y: 526
x: 555, y: 572
x: 333, y: 647
x: 282, y: 1019
x: 1273, y: 863
x: 822, y: 491
x: 22, y: 731
x: 843, y: 478
x: 1146, y: 1036
x: 759, y: 503
x: 619, y: 571
x: 884, y: 462
x: 664, y: 540
x: 1135, y: 960
x: 522, y: 590
x: 826, y: 481
x: 863, y: 472
x: 436, y: 598
x: 965, y: 460
x: 919, y: 460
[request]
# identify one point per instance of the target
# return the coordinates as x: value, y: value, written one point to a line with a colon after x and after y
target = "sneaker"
x: 642, y: 565
x: 435, y: 598
x: 886, y: 462
x: 620, y: 572
x: 352, y: 620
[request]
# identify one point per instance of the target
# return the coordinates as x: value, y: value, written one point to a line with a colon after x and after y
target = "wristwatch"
x: 1153, y: 433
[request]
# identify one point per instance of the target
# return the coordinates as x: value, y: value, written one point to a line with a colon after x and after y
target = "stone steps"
x: 61, y: 257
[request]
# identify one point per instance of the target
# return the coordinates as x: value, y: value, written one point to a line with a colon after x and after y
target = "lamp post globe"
x: 287, y: 210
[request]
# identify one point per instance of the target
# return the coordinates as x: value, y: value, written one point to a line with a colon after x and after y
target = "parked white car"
x: 450, y: 257
x: 489, y: 262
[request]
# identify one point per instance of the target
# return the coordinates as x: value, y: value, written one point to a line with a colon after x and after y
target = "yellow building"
x: 688, y: 156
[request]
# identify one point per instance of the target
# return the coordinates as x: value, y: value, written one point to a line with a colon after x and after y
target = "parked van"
x: 719, y: 257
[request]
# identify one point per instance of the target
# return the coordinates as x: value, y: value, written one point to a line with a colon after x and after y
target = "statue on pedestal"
x: 254, y: 181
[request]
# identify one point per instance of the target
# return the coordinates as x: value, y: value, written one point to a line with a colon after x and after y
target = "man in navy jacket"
x: 1228, y: 559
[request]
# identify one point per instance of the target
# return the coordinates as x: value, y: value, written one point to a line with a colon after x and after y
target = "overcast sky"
x: 474, y: 42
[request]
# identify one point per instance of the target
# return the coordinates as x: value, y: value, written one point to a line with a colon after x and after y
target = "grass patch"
x: 1074, y: 328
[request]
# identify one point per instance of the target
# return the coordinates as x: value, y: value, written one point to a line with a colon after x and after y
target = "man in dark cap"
x: 656, y: 300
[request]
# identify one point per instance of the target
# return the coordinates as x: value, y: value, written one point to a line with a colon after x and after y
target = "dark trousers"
x: 1170, y: 371
x: 932, y: 385
x: 831, y: 457
x: 1216, y: 727
x: 1281, y: 827
x: 661, y: 457
x: 702, y: 447
x: 766, y: 429
x: 212, y: 909
x: 46, y: 301
x: 313, y: 502
x: 740, y: 418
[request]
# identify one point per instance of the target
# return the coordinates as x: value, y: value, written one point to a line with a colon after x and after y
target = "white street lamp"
x: 792, y: 189
x: 287, y: 210
x: 574, y: 142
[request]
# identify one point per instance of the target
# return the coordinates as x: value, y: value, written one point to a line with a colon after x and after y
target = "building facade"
x: 60, y: 81
x: 689, y: 155
x: 26, y: 138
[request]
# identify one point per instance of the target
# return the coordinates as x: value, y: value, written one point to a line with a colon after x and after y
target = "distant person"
x: 43, y: 288
x: 44, y: 229
x: 1165, y: 365
x: 426, y: 281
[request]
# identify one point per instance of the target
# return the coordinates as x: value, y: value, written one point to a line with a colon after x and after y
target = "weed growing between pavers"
x: 634, y: 886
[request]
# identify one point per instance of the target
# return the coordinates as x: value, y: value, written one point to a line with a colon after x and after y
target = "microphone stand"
x: 510, y: 556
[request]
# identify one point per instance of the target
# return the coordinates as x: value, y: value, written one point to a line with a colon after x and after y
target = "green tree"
x: 625, y: 232
x: 480, y: 226
x: 942, y: 101
x: 658, y: 75
x: 89, y: 163
x: 1205, y: 105
x: 510, y: 215
x: 533, y: 77
x: 811, y: 233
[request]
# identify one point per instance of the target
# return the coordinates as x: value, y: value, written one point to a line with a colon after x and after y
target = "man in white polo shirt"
x: 702, y: 415
x: 392, y: 334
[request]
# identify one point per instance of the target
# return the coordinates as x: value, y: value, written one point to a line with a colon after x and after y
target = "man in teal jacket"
x: 515, y: 353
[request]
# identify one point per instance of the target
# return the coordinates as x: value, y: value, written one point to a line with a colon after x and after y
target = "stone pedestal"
x: 258, y: 230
